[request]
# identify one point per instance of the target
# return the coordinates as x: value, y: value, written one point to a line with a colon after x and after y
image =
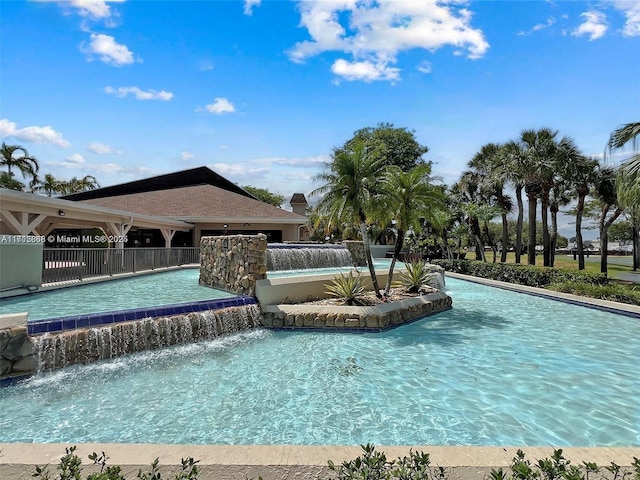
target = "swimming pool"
x: 127, y: 293
x: 501, y: 368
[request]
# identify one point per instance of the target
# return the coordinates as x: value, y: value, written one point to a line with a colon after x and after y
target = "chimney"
x: 299, y: 204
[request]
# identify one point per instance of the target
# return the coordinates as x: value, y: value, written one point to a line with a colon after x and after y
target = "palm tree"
x: 348, y: 190
x: 620, y: 137
x: 27, y: 164
x: 407, y: 198
x: 581, y: 175
x: 487, y: 163
x: 49, y: 185
x: 605, y: 189
x: 75, y: 185
x: 511, y: 169
x: 628, y: 192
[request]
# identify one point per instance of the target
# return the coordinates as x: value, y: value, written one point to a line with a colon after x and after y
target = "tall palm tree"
x: 581, y: 175
x: 50, y: 185
x: 511, y: 169
x: 347, y: 193
x: 620, y: 137
x: 27, y: 164
x: 605, y: 190
x: 488, y: 162
x: 407, y: 198
x: 76, y: 185
x: 628, y: 192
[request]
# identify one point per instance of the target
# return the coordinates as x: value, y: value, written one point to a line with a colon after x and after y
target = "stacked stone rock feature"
x: 16, y: 352
x: 233, y: 263
x: 356, y: 248
x: 360, y: 318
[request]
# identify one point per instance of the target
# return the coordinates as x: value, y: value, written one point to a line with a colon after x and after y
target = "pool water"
x: 500, y: 368
x: 134, y: 292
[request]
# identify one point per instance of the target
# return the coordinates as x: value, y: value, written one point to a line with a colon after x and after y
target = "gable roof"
x: 298, y: 198
x: 184, y: 178
x: 196, y: 203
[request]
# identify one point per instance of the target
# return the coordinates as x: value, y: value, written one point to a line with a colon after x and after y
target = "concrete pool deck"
x: 271, y: 462
x: 18, y: 461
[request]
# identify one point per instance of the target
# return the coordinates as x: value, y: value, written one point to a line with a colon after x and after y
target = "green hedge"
x: 530, y: 275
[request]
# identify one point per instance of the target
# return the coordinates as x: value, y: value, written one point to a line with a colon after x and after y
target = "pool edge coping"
x: 613, y: 307
x: 123, y: 454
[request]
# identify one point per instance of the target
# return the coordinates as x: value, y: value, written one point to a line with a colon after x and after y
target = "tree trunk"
x: 579, y: 244
x: 553, y: 240
x: 396, y: 254
x: 636, y: 246
x: 505, y: 238
x: 519, y: 224
x: 531, y: 245
x: 604, y: 235
x: 367, y: 252
x: 546, y: 243
x: 475, y: 231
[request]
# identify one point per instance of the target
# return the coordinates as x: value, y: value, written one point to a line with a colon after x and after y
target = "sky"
x: 261, y: 91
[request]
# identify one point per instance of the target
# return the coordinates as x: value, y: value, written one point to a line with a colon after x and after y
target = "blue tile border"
x: 71, y: 322
x: 299, y: 246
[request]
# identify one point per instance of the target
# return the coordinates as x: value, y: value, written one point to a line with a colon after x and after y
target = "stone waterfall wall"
x: 88, y: 345
x: 233, y: 263
x: 16, y: 352
x: 356, y: 248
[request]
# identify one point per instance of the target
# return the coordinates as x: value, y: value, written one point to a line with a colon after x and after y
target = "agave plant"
x: 416, y: 275
x: 348, y: 287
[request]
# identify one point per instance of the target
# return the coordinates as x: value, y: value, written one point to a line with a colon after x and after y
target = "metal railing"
x: 65, y: 264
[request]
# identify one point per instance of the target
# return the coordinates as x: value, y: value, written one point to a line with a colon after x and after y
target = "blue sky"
x: 261, y: 91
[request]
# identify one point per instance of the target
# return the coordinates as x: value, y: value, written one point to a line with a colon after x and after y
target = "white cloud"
x: 219, y: 106
x: 186, y: 155
x: 32, y: 134
x: 631, y: 10
x: 97, y: 9
x: 367, y: 71
x: 539, y: 26
x: 249, y: 4
x: 375, y: 32
x: 239, y: 171
x: 306, y: 162
x: 108, y: 50
x: 140, y: 94
x: 595, y: 25
x: 424, y: 67
x: 101, y: 148
x: 76, y: 158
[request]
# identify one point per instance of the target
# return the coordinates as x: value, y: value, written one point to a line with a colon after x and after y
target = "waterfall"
x: 93, y: 344
x: 301, y: 257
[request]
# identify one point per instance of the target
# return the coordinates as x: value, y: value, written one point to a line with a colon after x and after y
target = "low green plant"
x: 70, y: 468
x: 347, y: 287
x: 614, y: 293
x: 416, y: 275
x: 374, y: 465
x: 557, y: 467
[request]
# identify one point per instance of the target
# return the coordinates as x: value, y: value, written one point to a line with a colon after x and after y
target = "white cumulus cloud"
x: 108, y: 50
x: 76, y: 158
x: 186, y: 155
x: 631, y: 10
x: 101, y: 148
x: 239, y: 171
x: 32, y: 134
x: 424, y: 67
x: 139, y: 93
x: 249, y: 4
x: 594, y: 25
x: 97, y: 9
x: 367, y: 71
x: 219, y: 106
x: 373, y: 33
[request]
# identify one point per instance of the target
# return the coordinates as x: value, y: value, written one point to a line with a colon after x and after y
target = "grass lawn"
x: 616, y: 264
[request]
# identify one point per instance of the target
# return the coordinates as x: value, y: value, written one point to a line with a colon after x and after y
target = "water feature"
x: 307, y: 256
x: 501, y: 368
x: 125, y: 293
x: 110, y: 341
